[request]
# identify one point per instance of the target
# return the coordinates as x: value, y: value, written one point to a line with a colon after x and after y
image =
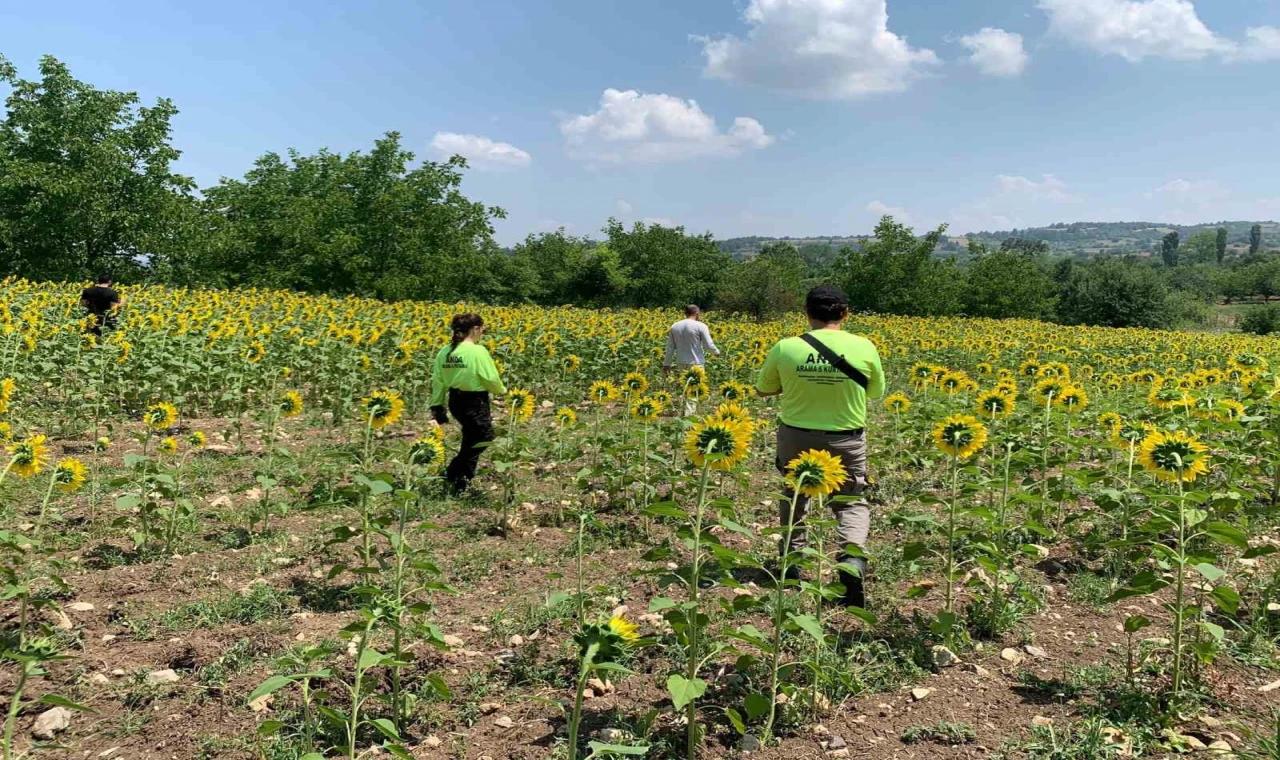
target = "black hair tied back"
x: 462, y: 326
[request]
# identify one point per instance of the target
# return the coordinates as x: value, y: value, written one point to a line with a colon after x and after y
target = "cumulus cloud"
x: 830, y: 49
x: 1138, y: 29
x: 1050, y: 188
x: 1204, y: 189
x: 480, y: 151
x: 633, y: 127
x: 624, y: 207
x: 995, y: 52
x: 882, y: 209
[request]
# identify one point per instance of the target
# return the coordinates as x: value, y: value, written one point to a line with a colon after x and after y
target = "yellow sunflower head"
x: 816, y: 473
x: 566, y: 417
x: 696, y: 392
x: 662, y: 397
x: 520, y: 402
x: 1229, y: 410
x: 734, y: 391
x: 291, y: 404
x: 719, y: 443
x: 695, y: 374
x: 994, y: 404
x: 635, y: 384
x: 161, y: 416
x: 255, y: 352
x: 102, y: 444
x: 960, y: 435
x: 897, y: 403
x: 383, y: 407
x: 1173, y: 456
x: 1111, y: 422
x: 645, y: 409
x: 197, y: 439
x: 168, y: 445
x: 570, y: 363
x: 427, y: 451
x: 1049, y: 389
x: 626, y: 630
x: 69, y: 475
x: 603, y: 391
x: 1073, y: 399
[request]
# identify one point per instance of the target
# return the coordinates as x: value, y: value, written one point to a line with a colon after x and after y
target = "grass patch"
x: 942, y: 732
x: 260, y: 603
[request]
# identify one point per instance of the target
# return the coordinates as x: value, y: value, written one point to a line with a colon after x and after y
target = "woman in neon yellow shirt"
x: 464, y: 377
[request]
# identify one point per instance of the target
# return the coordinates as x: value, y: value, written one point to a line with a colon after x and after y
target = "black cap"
x: 826, y: 296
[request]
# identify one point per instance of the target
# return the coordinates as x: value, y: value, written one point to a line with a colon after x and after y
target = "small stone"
x: 588, y: 694
x: 1042, y: 721
x: 118, y: 672
x: 262, y: 703
x: 1192, y: 742
x: 516, y: 641
x: 50, y: 722
x: 502, y: 721
x: 489, y: 708
x: 80, y: 607
x: 1035, y: 651
x: 221, y: 501
x: 976, y: 669
x: 108, y: 637
x: 750, y: 743
x: 600, y: 685
x: 943, y: 657
x: 1009, y: 654
x: 843, y: 752
x: 1273, y: 607
x: 837, y: 742
x: 612, y: 735
x: 453, y: 642
x: 1210, y: 722
x: 432, y: 741
x: 920, y: 693
x: 163, y: 676
x: 1218, y: 746
x: 1270, y: 687
x: 64, y: 623
x: 480, y: 628
x: 98, y: 679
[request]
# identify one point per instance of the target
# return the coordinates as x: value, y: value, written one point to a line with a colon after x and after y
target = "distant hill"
x: 1068, y: 239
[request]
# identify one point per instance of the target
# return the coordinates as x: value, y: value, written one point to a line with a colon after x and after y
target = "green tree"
x: 364, y: 223
x: 1026, y: 246
x: 86, y: 183
x: 1169, y: 249
x: 1220, y: 244
x: 766, y: 285
x: 1114, y: 293
x: 895, y: 273
x: 1008, y: 283
x: 1255, y: 239
x: 664, y: 266
x: 601, y: 280
x: 1200, y: 248
x: 556, y: 259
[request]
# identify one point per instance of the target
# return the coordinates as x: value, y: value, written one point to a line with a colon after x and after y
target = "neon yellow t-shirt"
x: 467, y: 368
x: 816, y: 395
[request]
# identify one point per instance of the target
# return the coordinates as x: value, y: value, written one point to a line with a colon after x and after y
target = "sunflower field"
x: 223, y: 534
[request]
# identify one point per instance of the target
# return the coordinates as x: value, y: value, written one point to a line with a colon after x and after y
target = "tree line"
x: 88, y: 185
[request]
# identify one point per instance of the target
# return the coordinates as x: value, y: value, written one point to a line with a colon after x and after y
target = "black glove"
x: 441, y: 415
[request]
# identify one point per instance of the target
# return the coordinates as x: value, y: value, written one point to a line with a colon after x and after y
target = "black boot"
x: 854, y: 593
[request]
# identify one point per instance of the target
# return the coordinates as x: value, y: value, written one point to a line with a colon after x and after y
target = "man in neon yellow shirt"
x: 824, y: 379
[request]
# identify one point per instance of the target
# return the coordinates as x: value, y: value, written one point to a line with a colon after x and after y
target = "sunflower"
x: 1049, y: 389
x: 402, y: 355
x: 383, y: 408
x: 427, y: 451
x: 816, y: 473
x: 734, y: 412
x: 897, y: 403
x: 719, y: 442
x: 921, y: 374
x: 255, y: 352
x: 734, y: 391
x: 566, y: 417
x: 6, y: 432
x: 169, y: 445
x: 662, y: 397
x: 953, y: 382
x: 1029, y: 368
x: 1168, y: 397
x: 1229, y: 410
x: 645, y: 410
x: 603, y: 391
x: 68, y: 475
x: 102, y: 444
x: 960, y: 435
x: 984, y: 368
x: 694, y: 374
x: 1173, y: 457
x: 696, y: 392
x: 28, y: 456
x: 1055, y: 369
x: 995, y: 404
x: 520, y: 402
x: 626, y: 630
x: 635, y: 384
x: 1110, y: 422
x: 606, y: 641
x: 1131, y: 432
x: 570, y: 363
x: 1007, y: 386
x: 1073, y: 399
x: 197, y: 439
x: 161, y: 416
x: 291, y: 404
x: 7, y: 387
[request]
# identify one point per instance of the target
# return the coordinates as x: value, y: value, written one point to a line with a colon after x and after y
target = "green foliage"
x: 895, y: 273
x: 1114, y: 293
x: 85, y: 178
x: 1220, y: 243
x: 1169, y: 249
x: 766, y: 285
x: 1201, y: 248
x: 1263, y: 320
x: 664, y: 266
x: 1008, y: 283
x: 1255, y: 239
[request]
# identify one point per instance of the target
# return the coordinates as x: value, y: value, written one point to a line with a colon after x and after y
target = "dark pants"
x: 471, y: 410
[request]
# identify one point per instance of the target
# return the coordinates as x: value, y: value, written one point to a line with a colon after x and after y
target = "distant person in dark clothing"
x: 102, y: 302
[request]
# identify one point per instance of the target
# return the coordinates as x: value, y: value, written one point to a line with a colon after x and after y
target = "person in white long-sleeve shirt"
x: 688, y: 342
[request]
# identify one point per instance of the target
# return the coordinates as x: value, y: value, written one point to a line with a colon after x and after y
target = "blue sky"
x: 771, y: 117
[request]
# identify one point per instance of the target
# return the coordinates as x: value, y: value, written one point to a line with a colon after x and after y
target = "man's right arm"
x: 769, y: 382
x: 669, y: 358
x: 875, y: 385
x: 438, y: 409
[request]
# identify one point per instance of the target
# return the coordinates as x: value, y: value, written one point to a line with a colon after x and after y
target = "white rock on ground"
x: 168, y: 675
x: 50, y: 722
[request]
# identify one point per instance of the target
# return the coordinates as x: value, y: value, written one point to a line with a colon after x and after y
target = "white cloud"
x: 1050, y: 188
x: 831, y: 49
x: 661, y: 221
x: 1202, y: 190
x: 996, y: 53
x: 481, y: 152
x: 631, y: 127
x: 881, y: 209
x: 1138, y: 29
x: 624, y: 207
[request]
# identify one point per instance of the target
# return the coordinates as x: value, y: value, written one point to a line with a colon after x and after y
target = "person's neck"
x: 816, y: 325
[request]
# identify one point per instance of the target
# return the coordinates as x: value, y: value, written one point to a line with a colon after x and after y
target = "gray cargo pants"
x: 853, y: 518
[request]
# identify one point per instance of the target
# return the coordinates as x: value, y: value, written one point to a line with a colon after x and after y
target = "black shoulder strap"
x: 837, y: 361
